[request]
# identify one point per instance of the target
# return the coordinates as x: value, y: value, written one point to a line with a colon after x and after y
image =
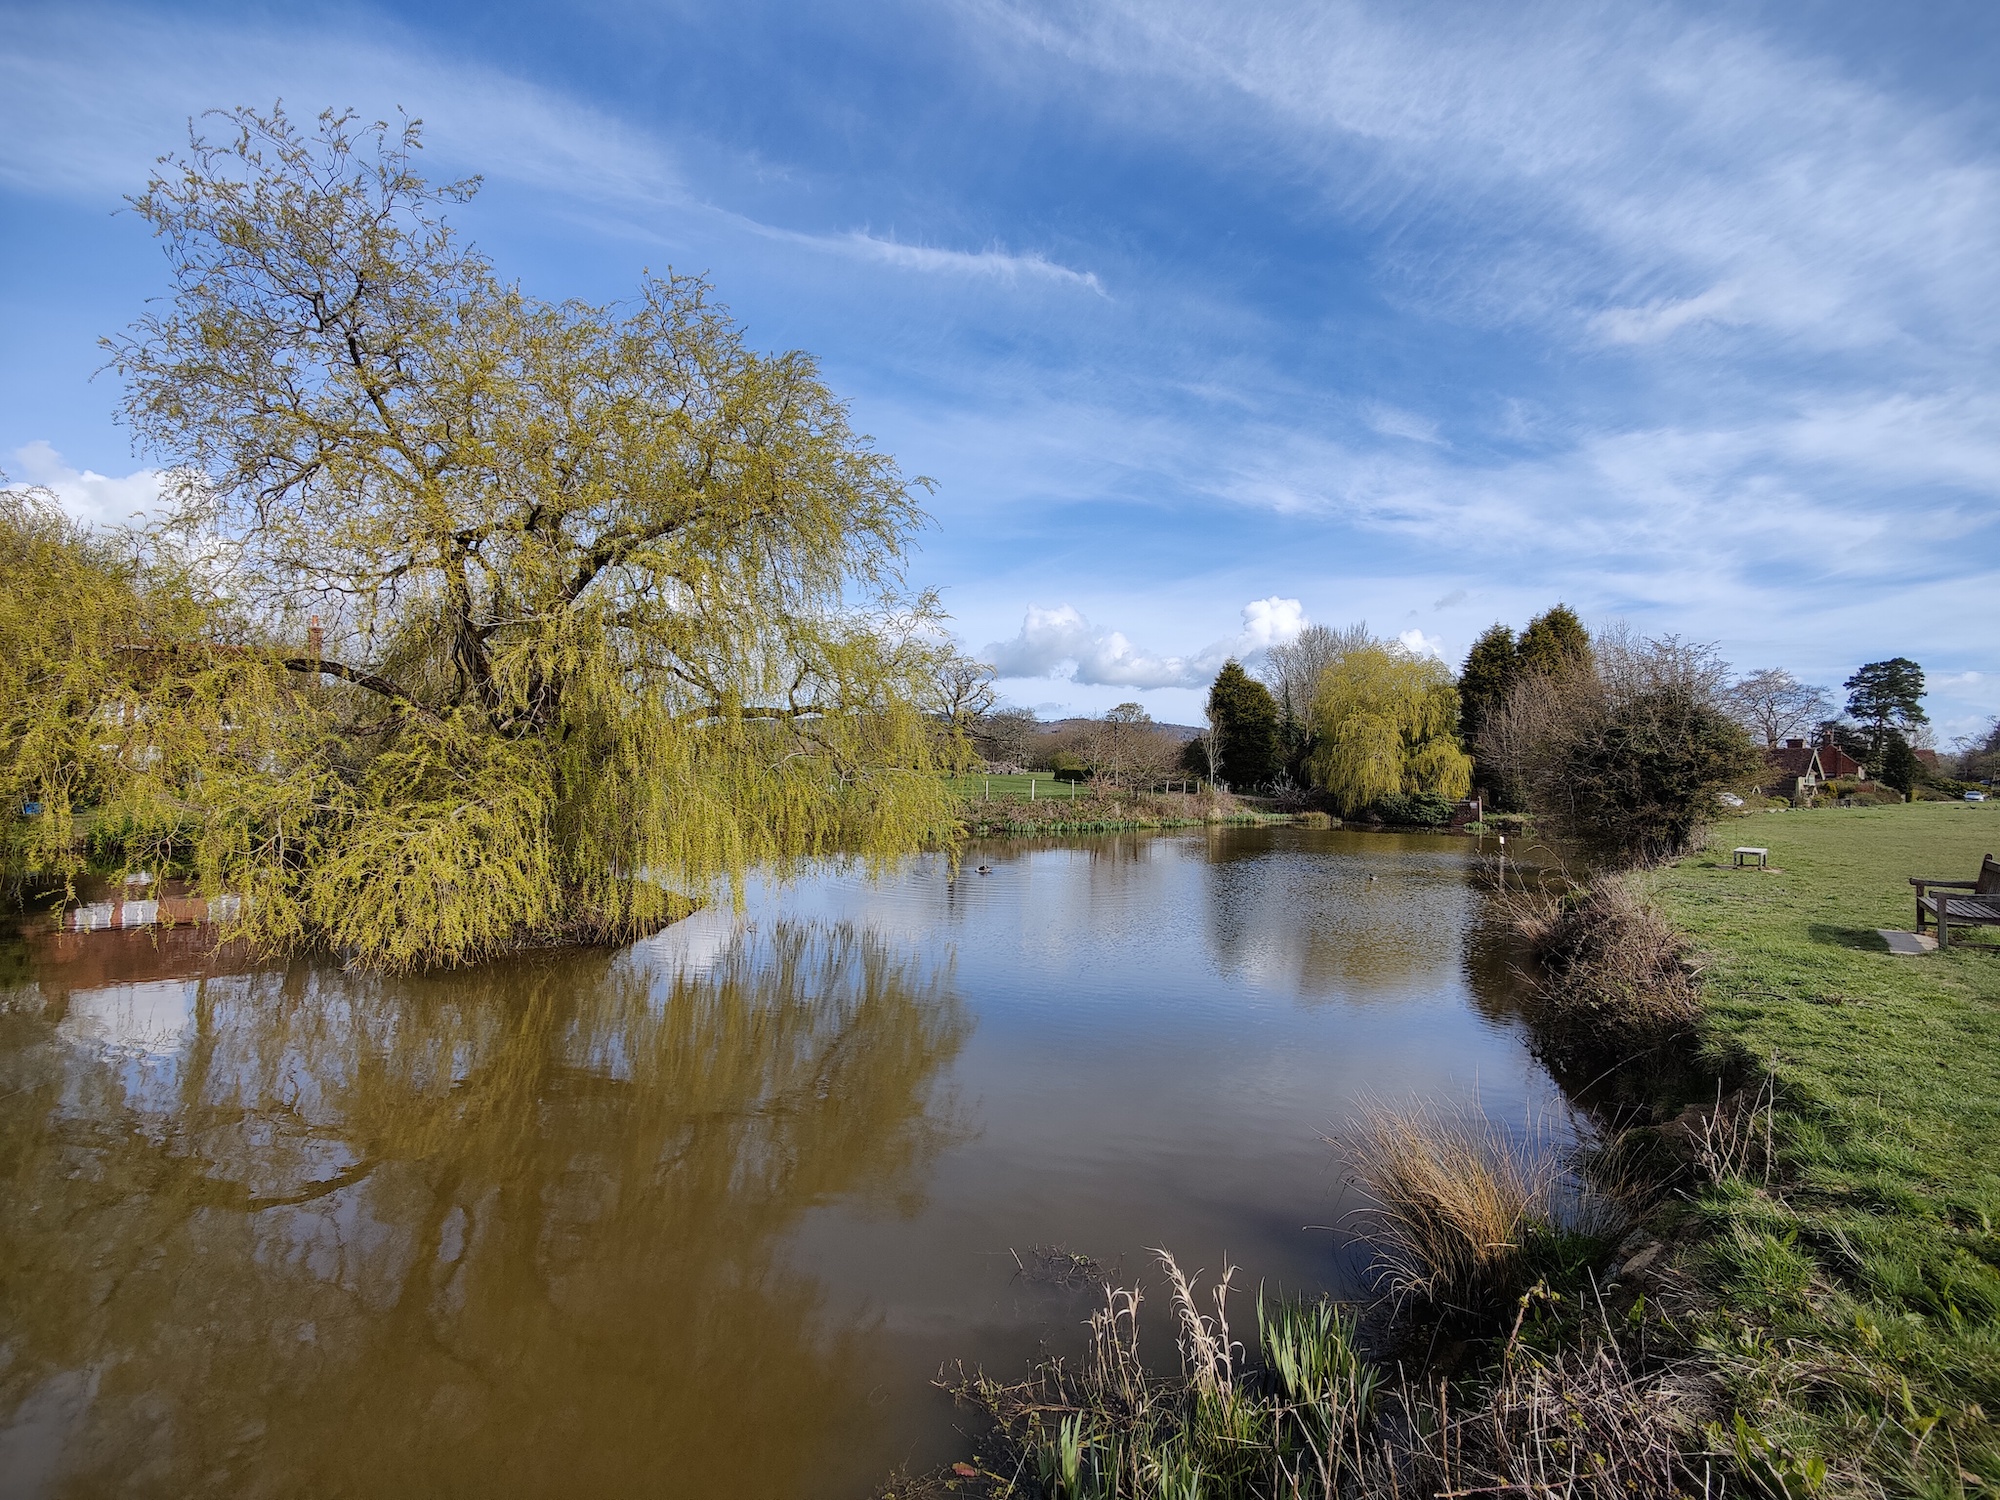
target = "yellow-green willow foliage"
x: 545, y: 615
x: 1388, y: 724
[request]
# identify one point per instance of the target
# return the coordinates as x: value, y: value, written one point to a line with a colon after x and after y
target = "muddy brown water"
x: 703, y: 1216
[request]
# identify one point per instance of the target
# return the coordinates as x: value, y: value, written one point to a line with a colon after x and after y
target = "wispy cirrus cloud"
x: 1622, y: 173
x: 98, y: 97
x: 994, y: 263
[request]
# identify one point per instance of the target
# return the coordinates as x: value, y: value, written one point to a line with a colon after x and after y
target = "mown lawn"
x: 1860, y: 1289
x: 1011, y: 788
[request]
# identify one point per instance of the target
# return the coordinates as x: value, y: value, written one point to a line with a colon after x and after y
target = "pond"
x: 704, y: 1215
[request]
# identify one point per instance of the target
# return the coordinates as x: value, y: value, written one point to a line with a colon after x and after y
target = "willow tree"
x: 1388, y: 722
x: 562, y: 610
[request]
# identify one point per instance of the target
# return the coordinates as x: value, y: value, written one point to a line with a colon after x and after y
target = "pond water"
x: 703, y: 1216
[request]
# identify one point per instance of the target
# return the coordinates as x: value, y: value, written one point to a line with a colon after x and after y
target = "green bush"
x: 1414, y: 809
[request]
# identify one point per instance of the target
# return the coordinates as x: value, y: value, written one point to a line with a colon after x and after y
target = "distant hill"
x: 1181, y: 732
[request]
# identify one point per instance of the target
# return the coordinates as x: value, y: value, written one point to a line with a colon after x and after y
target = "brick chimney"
x: 315, y: 640
x: 1789, y: 744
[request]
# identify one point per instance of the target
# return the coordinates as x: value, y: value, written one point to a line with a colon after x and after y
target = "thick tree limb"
x: 313, y: 666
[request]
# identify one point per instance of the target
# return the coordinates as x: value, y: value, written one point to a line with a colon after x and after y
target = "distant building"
x: 1836, y: 764
x: 1796, y: 770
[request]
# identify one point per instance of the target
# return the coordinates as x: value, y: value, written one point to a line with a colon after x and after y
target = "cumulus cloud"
x: 1051, y: 640
x: 1269, y: 622
x: 100, y: 499
x: 1418, y: 644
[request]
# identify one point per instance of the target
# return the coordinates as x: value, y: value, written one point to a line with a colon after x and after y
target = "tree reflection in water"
x: 515, y: 1230
x: 1337, y: 915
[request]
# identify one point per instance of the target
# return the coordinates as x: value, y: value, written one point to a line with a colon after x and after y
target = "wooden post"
x: 1031, y: 789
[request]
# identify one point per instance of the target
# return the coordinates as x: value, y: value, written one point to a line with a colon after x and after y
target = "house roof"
x: 1833, y: 761
x: 1795, y: 760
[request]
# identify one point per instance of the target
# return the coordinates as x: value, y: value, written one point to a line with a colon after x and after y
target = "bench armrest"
x: 1959, y: 885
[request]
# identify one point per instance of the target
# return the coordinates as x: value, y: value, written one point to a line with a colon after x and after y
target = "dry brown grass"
x: 1451, y: 1201
x: 1463, y: 1216
x: 1312, y: 1419
x: 1586, y: 1425
x: 1615, y: 979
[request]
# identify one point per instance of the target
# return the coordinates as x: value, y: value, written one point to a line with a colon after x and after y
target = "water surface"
x: 705, y: 1215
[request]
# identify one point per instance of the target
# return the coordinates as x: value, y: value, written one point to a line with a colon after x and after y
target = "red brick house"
x: 1797, y: 770
x: 1836, y: 764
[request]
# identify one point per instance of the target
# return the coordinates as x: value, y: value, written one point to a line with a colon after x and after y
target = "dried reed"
x: 1463, y: 1216
x: 1616, y: 980
x: 1314, y: 1420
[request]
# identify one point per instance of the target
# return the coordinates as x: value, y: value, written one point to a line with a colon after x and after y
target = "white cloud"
x: 100, y: 94
x: 1393, y: 422
x: 993, y: 264
x: 1052, y: 639
x: 1623, y: 172
x: 1639, y: 325
x: 1418, y: 644
x: 1270, y: 622
x: 96, y: 103
x: 99, y: 499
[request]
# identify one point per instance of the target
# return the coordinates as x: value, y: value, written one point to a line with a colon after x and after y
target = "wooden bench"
x: 1978, y: 907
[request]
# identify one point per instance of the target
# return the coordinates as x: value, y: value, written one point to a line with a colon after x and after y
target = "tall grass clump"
x: 1464, y: 1217
x: 1615, y: 978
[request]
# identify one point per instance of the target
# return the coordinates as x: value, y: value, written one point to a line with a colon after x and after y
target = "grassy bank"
x: 1093, y: 810
x: 1856, y: 1282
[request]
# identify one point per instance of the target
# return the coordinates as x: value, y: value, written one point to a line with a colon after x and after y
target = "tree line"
x: 1623, y: 744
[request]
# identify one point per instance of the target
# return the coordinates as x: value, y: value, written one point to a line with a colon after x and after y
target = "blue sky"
x: 1206, y: 319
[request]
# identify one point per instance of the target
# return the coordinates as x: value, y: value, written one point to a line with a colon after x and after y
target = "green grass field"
x: 1008, y: 788
x: 1015, y: 788
x: 1860, y: 1289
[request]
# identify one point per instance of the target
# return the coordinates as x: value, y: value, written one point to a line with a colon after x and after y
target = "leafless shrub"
x: 1628, y: 755
x: 1734, y: 1138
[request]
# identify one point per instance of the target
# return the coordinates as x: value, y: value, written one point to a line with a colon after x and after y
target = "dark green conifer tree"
x: 1554, y: 642
x: 1243, y: 716
x: 1900, y: 767
x: 1484, y: 681
x: 1886, y: 697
